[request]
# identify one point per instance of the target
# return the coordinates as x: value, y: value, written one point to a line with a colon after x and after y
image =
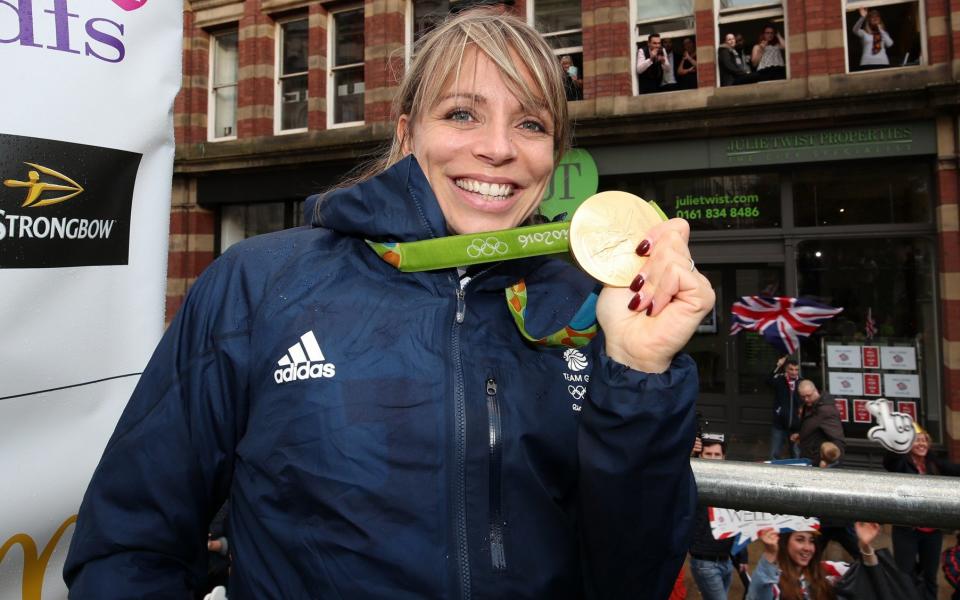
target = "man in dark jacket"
x: 819, y: 422
x: 783, y: 380
x: 710, y: 560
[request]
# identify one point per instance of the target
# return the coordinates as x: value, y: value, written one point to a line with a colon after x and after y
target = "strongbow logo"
x: 304, y: 360
x: 35, y: 187
x: 576, y: 361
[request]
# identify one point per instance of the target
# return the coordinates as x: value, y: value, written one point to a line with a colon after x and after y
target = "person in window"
x: 687, y: 66
x: 744, y: 54
x: 655, y: 67
x: 917, y: 549
x: 769, y: 55
x: 572, y: 84
x: 875, y: 39
x: 732, y: 66
x: 442, y: 433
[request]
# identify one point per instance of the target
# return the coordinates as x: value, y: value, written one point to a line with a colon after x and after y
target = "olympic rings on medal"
x: 488, y: 247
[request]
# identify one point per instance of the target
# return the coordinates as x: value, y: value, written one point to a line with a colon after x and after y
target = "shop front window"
x: 883, y: 35
x: 860, y: 195
x: 760, y: 41
x: 666, y: 54
x: 888, y: 282
x: 241, y: 221
x: 720, y: 202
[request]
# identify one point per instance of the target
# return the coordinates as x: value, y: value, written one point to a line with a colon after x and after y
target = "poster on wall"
x: 86, y: 162
x: 845, y: 384
x: 902, y: 358
x: 860, y: 412
x: 901, y: 386
x: 871, y: 357
x: 842, y: 408
x: 843, y: 357
x: 871, y: 384
x: 908, y: 407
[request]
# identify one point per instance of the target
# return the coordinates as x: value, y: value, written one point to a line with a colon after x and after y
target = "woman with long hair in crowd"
x: 388, y: 433
x: 875, y: 39
x: 917, y: 549
x: 791, y: 568
x: 769, y: 55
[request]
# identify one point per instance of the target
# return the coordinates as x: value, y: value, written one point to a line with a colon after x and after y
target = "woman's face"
x: 688, y: 45
x: 800, y: 548
x: 488, y: 160
x: 730, y: 40
x: 875, y: 20
x: 921, y: 445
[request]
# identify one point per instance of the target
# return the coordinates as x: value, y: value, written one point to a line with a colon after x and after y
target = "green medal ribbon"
x: 462, y: 250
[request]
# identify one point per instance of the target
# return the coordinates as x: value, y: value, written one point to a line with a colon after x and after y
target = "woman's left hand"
x: 647, y: 324
x: 866, y: 532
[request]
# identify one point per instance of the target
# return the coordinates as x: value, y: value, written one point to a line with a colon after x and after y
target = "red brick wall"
x: 255, y: 90
x: 317, y: 68
x: 384, y: 36
x: 606, y: 39
x: 190, y: 106
x: 191, y: 251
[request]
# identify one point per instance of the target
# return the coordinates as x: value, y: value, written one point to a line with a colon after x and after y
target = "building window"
x: 882, y: 192
x: 222, y: 104
x: 345, y: 92
x: 760, y: 33
x: 666, y: 46
x: 241, y: 221
x: 291, y: 98
x: 883, y: 34
x: 561, y: 24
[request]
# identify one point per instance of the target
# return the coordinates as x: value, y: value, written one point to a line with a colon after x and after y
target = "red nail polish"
x: 637, y: 283
x: 634, y: 302
x: 650, y: 309
x: 643, y: 248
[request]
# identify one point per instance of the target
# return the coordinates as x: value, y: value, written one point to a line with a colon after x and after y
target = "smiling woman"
x: 446, y: 433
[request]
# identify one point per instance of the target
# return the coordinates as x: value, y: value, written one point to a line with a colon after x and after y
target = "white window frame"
x: 761, y: 10
x: 212, y: 87
x: 331, y: 70
x: 848, y: 5
x: 636, y: 40
x: 278, y: 77
x: 531, y: 12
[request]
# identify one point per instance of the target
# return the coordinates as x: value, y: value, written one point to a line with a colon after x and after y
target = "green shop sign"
x: 574, y: 180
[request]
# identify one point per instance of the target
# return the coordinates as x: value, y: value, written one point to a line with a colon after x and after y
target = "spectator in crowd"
x: 917, y: 549
x: 819, y: 422
x: 732, y: 65
x: 687, y: 66
x: 835, y: 530
x: 655, y: 67
x: 786, y: 404
x: 769, y: 55
x: 741, y: 48
x: 710, y: 560
x: 572, y: 84
x: 790, y: 569
x: 875, y: 39
x: 829, y: 455
x: 951, y: 567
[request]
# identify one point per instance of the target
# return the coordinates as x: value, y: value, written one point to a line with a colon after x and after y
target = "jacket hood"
x: 397, y: 205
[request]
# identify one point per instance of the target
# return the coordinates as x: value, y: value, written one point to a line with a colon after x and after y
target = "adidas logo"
x: 304, y: 360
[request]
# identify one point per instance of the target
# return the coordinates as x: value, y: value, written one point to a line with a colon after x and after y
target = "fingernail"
x: 635, y: 301
x: 643, y: 248
x: 650, y: 309
x: 637, y: 283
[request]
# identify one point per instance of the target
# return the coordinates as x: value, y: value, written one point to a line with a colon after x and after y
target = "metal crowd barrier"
x: 894, y: 498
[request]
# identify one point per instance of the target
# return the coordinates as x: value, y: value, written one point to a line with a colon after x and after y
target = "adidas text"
x: 305, y: 371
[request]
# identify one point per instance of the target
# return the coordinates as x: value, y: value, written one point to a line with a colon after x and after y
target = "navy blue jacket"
x: 786, y: 404
x: 376, y: 444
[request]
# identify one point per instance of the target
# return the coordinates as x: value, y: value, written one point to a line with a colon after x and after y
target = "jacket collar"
x: 394, y: 206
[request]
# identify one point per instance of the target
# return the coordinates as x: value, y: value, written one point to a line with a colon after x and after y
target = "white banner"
x: 843, y: 357
x: 898, y: 357
x: 86, y: 160
x: 845, y: 384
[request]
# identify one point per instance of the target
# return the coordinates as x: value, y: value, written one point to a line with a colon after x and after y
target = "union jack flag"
x: 781, y: 321
x: 871, y: 325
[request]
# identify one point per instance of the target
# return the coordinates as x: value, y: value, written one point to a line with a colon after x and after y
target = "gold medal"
x: 604, y: 234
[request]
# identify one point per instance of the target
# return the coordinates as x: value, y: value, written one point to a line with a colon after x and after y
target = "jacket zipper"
x: 460, y: 434
x: 497, y: 554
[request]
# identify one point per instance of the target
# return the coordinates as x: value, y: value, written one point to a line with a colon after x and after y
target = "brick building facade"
x: 304, y: 114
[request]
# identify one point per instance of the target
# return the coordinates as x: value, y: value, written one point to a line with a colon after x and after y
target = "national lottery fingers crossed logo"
x: 487, y: 247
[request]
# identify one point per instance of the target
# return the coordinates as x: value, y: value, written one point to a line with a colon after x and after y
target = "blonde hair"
x: 829, y: 452
x: 513, y: 46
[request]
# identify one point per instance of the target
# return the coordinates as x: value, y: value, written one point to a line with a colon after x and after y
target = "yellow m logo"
x: 34, y: 565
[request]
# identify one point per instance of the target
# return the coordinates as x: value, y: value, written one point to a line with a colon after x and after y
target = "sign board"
x: 86, y: 164
x: 845, y: 384
x: 843, y: 357
x: 898, y: 358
